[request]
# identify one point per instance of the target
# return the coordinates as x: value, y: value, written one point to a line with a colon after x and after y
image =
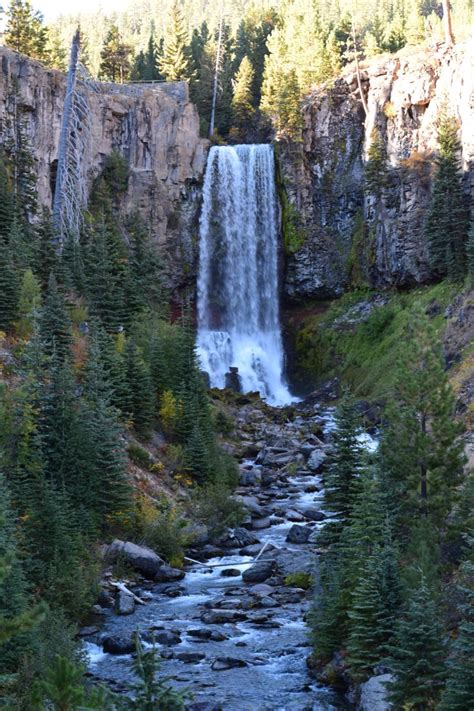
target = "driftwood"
x: 123, y: 588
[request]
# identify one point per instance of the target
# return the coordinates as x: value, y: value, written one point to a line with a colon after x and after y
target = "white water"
x: 238, y: 314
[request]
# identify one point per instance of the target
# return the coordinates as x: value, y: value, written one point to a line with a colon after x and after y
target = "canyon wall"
x: 344, y: 233
x: 155, y: 127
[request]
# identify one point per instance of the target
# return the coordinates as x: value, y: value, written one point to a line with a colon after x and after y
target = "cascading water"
x: 238, y: 314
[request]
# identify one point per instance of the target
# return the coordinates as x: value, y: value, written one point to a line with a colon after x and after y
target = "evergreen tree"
x: 141, y: 395
x: 9, y: 290
x: 25, y: 31
x: 242, y: 100
x: 422, y: 457
x: 459, y: 692
x: 7, y: 208
x: 346, y: 463
x: 376, y: 166
x: 175, y: 63
x: 115, y: 57
x: 29, y: 303
x: 447, y: 222
x: 54, y: 322
x: 418, y: 654
x: 46, y: 258
x: 470, y: 252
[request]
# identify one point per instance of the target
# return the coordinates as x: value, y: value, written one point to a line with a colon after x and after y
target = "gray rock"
x: 205, y: 635
x: 237, y: 538
x: 298, y: 534
x: 166, y: 637
x: 258, y: 524
x: 124, y: 603
x: 316, y: 460
x: 118, y: 644
x: 141, y: 558
x: 374, y: 694
x: 313, y: 514
x: 262, y: 589
x: 190, y: 657
x: 225, y: 663
x: 259, y: 571
x: 288, y: 562
x: 167, y: 574
x: 230, y: 573
x: 217, y: 617
x: 294, y: 516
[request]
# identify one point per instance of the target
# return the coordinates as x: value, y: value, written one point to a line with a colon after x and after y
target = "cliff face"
x: 348, y: 234
x: 155, y: 127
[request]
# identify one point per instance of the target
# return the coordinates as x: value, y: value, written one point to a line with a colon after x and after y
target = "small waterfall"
x: 238, y: 314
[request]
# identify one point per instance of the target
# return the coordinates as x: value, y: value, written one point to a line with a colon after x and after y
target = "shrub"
x: 214, y: 507
x: 140, y: 456
x: 300, y: 579
x: 165, y: 531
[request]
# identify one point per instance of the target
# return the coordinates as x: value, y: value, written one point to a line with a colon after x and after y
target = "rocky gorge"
x: 231, y: 627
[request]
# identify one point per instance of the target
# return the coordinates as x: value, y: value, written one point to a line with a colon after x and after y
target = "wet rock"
x: 217, y: 617
x: 205, y: 635
x: 295, y: 516
x: 88, y: 631
x: 232, y: 380
x: 167, y: 574
x: 225, y: 663
x: 237, y: 538
x: 173, y: 591
x: 105, y: 599
x: 118, y: 644
x: 230, y: 573
x: 313, y: 514
x: 255, y: 549
x: 141, y: 558
x: 266, y: 601
x: 204, y: 706
x: 124, y: 603
x: 262, y: 589
x: 316, y: 460
x: 190, y: 657
x: 258, y: 524
x: 298, y: 534
x: 288, y: 562
x: 166, y: 637
x: 374, y: 694
x: 259, y: 571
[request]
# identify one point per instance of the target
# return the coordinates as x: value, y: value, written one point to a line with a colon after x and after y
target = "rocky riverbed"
x: 233, y: 630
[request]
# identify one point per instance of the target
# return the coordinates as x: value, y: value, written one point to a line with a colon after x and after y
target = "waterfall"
x: 238, y: 314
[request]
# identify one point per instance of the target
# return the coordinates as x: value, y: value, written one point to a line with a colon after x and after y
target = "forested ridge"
x: 107, y: 426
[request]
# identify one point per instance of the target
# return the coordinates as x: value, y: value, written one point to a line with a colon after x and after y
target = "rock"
x: 88, y: 631
x: 316, y: 460
x: 298, y: 534
x: 255, y: 549
x: 259, y: 571
x: 374, y: 694
x: 167, y: 574
x: 142, y: 559
x: 217, y: 617
x: 105, y: 599
x: 166, y: 637
x: 225, y: 663
x: 313, y: 514
x: 208, y: 635
x: 237, y: 538
x: 258, y: 524
x: 295, y: 516
x: 124, y: 603
x: 230, y: 572
x: 289, y: 562
x: 118, y: 644
x: 261, y: 589
x: 190, y: 657
x: 233, y: 381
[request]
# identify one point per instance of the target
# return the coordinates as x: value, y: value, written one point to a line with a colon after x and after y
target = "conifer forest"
x: 237, y: 355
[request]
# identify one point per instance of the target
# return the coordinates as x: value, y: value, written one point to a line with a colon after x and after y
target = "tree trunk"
x: 448, y: 29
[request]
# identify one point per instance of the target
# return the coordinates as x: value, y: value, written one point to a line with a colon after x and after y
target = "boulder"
x: 141, y: 558
x: 374, y: 694
x: 258, y: 524
x: 167, y: 574
x: 166, y: 637
x: 259, y: 571
x: 124, y: 603
x: 237, y: 538
x: 205, y: 635
x: 289, y: 562
x: 225, y: 663
x: 294, y: 516
x: 298, y: 534
x: 217, y: 617
x: 230, y: 573
x: 313, y: 514
x: 190, y: 657
x: 118, y: 644
x: 316, y: 460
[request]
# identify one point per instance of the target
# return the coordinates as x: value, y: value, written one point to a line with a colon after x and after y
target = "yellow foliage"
x: 389, y: 110
x: 120, y: 342
x: 168, y: 411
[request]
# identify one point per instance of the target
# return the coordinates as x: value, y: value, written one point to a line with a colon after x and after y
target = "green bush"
x: 166, y: 532
x: 214, y: 507
x: 301, y: 579
x: 139, y: 456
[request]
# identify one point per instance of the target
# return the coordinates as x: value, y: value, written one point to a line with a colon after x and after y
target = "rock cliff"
x: 346, y: 234
x: 155, y: 127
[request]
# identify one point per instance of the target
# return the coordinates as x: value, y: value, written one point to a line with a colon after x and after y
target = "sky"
x: 52, y: 8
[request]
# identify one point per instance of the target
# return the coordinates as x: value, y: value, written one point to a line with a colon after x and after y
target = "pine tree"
x: 447, y: 221
x: 470, y: 252
x: 141, y: 395
x: 242, y: 100
x: 21, y: 246
x: 54, y: 322
x: 346, y: 463
x: 115, y: 57
x: 459, y: 692
x: 29, y: 303
x: 25, y: 31
x: 422, y: 457
x: 376, y: 166
x: 175, y: 62
x: 46, y: 258
x: 418, y: 654
x: 328, y: 617
x: 7, y: 208
x: 9, y: 290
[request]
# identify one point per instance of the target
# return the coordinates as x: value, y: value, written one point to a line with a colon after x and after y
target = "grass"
x: 363, y: 355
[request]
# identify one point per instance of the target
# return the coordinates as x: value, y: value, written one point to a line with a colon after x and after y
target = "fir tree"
x: 470, y: 252
x: 46, y: 258
x: 418, y: 654
x: 9, y: 290
x: 25, y: 31
x: 242, y: 99
x: 29, y: 303
x: 175, y: 62
x: 54, y: 322
x: 141, y: 395
x: 459, y: 692
x: 376, y: 166
x: 115, y: 57
x: 422, y: 457
x: 447, y: 222
x: 7, y: 208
